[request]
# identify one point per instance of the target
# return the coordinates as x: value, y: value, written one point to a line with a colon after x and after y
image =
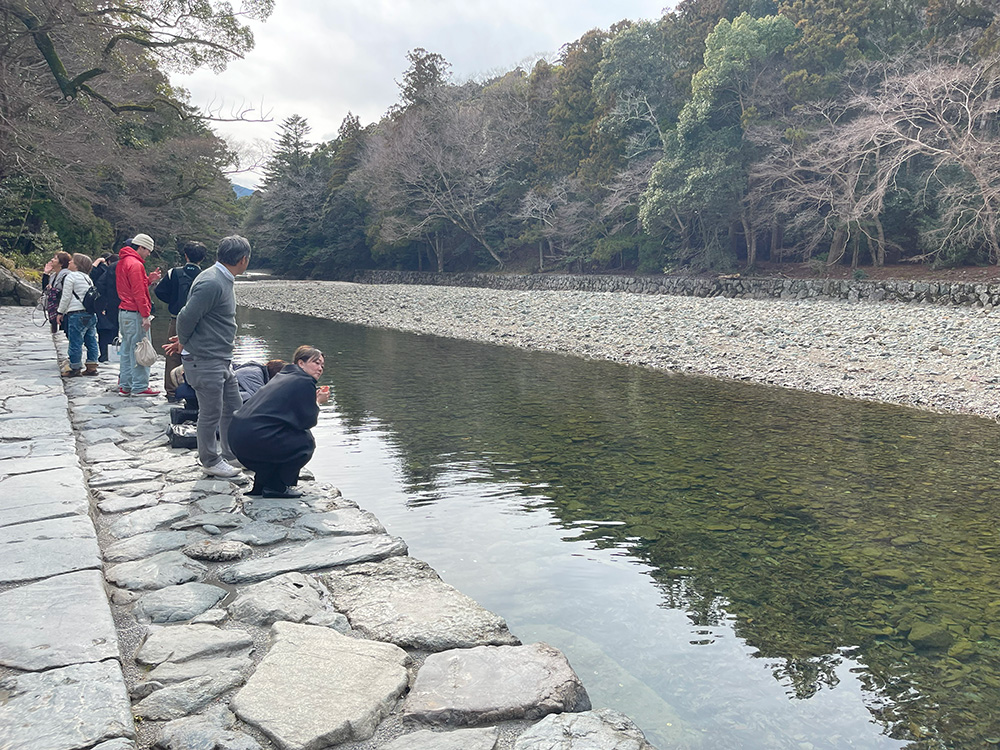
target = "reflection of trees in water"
x: 808, y: 523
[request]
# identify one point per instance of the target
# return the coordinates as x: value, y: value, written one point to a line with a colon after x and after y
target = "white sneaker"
x: 222, y: 470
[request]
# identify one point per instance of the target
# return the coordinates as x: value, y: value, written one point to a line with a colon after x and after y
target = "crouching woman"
x: 270, y: 434
x: 81, y: 326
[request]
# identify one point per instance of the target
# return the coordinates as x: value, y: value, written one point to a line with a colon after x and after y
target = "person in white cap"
x: 134, y: 313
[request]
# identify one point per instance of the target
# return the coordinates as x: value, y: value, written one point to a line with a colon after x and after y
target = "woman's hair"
x: 83, y: 262
x: 63, y: 258
x: 306, y: 353
x: 274, y: 367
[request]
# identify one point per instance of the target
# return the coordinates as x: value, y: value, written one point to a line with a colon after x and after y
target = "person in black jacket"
x: 107, y: 315
x: 173, y: 289
x: 270, y: 434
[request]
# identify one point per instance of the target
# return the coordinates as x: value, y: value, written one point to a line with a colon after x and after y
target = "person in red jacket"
x: 134, y: 313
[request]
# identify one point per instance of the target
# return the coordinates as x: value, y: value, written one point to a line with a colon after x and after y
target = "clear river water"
x: 731, y: 565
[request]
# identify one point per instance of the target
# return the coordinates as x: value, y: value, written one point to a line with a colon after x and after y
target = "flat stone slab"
x: 114, y: 477
x: 147, y: 545
x: 487, y: 684
x: 316, y: 688
x: 33, y: 427
x: 11, y: 466
x: 113, y: 503
x: 259, y: 534
x: 48, y: 548
x: 170, y: 673
x: 164, y: 569
x: 292, y: 597
x: 63, y: 709
x: 346, y: 522
x: 42, y: 495
x: 178, y: 603
x: 217, y: 550
x: 403, y: 601
x: 456, y: 739
x: 212, y: 729
x: 603, y: 729
x: 146, y: 519
x: 319, y: 554
x: 105, y: 453
x: 57, y: 622
x: 188, y: 697
x: 274, y: 510
x: 102, y: 435
x: 219, y: 520
x: 185, y: 642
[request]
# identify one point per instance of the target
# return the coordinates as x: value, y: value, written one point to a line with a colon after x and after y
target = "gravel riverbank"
x: 942, y: 359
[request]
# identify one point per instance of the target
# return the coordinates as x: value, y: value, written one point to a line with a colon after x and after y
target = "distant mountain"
x: 242, y: 191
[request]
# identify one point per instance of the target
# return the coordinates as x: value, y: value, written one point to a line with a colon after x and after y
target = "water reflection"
x: 732, y: 565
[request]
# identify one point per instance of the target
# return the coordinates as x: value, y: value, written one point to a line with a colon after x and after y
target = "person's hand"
x: 146, y: 323
x: 322, y: 394
x: 59, y: 318
x: 154, y: 277
x: 173, y: 346
x: 98, y: 262
x: 50, y: 267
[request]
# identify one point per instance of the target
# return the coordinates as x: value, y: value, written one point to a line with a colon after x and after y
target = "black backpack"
x: 187, y: 277
x: 91, y: 300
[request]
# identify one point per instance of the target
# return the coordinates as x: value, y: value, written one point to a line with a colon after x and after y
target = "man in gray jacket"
x: 206, y: 335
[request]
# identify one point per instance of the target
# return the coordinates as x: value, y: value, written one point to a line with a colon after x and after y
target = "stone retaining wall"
x: 940, y: 293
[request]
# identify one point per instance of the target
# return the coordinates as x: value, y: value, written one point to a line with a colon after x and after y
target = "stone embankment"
x: 930, y: 356
x: 143, y: 605
x: 735, y: 285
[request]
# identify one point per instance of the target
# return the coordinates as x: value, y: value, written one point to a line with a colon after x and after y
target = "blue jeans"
x: 81, y: 328
x: 131, y: 377
x: 218, y: 394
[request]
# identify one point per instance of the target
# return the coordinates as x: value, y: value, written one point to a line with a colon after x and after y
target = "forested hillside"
x: 724, y: 134
x: 95, y: 144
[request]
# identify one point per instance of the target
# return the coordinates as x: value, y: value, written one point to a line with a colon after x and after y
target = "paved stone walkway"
x: 145, y: 605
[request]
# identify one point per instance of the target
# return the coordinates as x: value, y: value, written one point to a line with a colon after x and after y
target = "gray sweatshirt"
x: 206, y: 325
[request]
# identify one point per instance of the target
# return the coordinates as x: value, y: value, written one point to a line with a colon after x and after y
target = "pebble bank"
x: 929, y: 356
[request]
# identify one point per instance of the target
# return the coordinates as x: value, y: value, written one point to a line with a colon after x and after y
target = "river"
x: 729, y: 564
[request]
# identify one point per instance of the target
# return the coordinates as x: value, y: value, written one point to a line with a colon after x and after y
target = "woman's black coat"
x: 273, y: 426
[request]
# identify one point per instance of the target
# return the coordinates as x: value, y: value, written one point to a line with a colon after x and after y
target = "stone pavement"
x: 145, y: 605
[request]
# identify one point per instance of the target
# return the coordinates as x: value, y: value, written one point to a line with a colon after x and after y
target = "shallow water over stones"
x: 729, y: 565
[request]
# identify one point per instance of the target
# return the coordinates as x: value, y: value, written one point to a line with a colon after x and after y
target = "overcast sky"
x: 322, y: 60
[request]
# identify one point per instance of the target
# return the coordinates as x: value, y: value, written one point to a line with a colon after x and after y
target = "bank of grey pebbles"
x: 937, y: 358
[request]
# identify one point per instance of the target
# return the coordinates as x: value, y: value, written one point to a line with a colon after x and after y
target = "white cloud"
x: 323, y: 60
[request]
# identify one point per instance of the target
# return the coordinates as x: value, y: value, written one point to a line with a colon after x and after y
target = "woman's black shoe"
x: 286, y: 492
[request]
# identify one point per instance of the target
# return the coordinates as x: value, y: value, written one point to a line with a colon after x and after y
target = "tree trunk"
x: 777, y: 237
x: 837, y: 246
x: 879, y: 259
x: 751, y: 239
x: 439, y: 252
x: 541, y: 255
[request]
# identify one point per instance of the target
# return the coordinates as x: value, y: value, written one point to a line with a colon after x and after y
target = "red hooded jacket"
x: 132, y: 282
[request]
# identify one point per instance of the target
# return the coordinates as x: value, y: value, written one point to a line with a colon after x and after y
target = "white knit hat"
x: 143, y: 240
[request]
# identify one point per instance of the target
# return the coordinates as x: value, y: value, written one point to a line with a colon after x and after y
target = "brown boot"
x: 71, y: 373
x: 91, y: 369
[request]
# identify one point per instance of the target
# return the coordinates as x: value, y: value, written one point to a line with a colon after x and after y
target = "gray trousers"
x: 218, y: 394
